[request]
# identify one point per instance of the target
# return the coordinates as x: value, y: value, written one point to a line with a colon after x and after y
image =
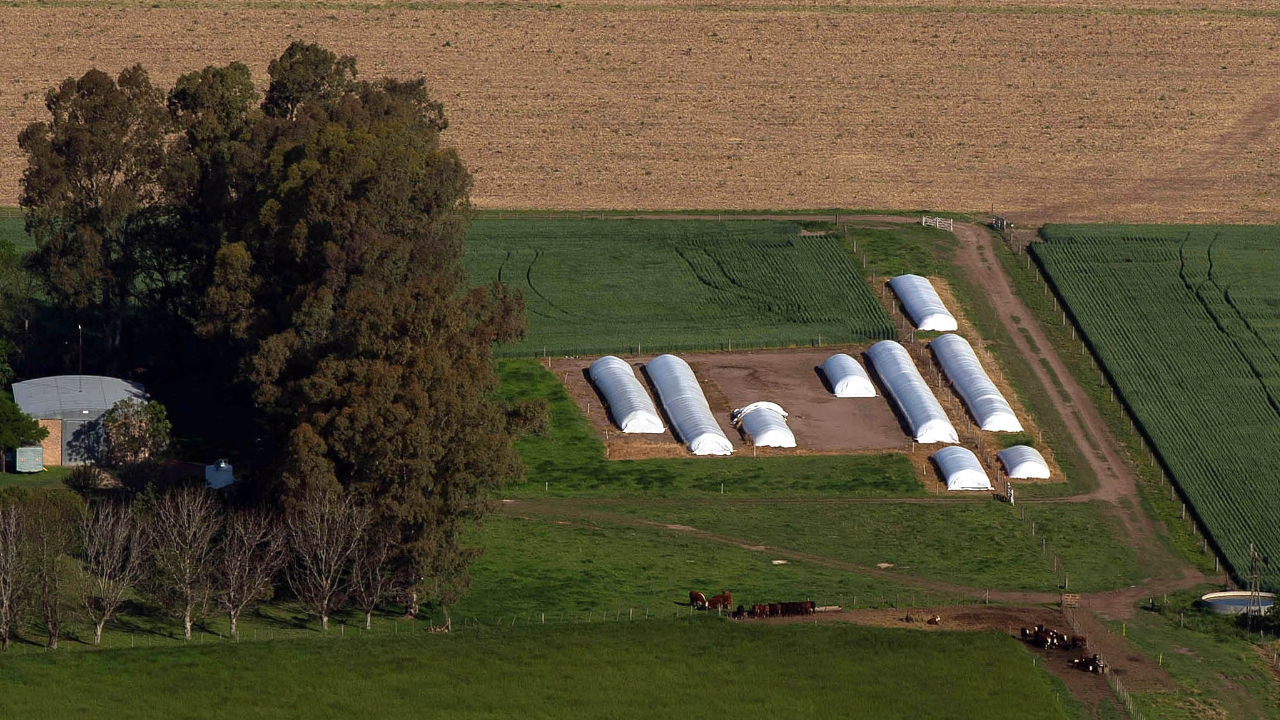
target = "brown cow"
x: 775, y: 609
x: 723, y: 600
x: 759, y: 611
x: 697, y: 599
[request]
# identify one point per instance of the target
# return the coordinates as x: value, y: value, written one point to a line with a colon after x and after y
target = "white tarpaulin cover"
x: 766, y: 424
x: 1023, y: 461
x: 973, y: 385
x: 847, y: 377
x: 630, y: 405
x: 961, y: 469
x: 902, y: 381
x: 687, y: 407
x: 922, y: 303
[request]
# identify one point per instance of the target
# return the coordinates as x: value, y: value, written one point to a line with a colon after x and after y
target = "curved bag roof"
x: 1023, y: 461
x: 973, y: 385
x: 766, y: 424
x: 922, y: 303
x: 903, y: 383
x: 847, y: 377
x: 961, y: 469
x: 687, y: 407
x: 632, y: 408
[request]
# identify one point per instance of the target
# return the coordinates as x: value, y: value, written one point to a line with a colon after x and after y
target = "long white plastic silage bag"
x: 922, y: 303
x: 630, y: 405
x: 973, y: 385
x: 1022, y: 462
x: 847, y: 377
x: 960, y: 469
x: 687, y: 407
x: 902, y: 381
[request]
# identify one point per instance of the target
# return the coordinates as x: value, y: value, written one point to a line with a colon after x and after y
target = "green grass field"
x: 51, y: 477
x: 600, y: 286
x: 12, y: 231
x: 1183, y: 319
x: 535, y: 564
x: 1215, y: 660
x: 690, y: 668
x: 976, y: 544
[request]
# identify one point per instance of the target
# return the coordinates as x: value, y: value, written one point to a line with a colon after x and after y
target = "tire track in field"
x: 528, y: 277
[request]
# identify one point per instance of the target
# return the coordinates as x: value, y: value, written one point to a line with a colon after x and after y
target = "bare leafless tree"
x: 324, y: 531
x: 11, y: 570
x: 253, y: 549
x: 48, y: 538
x: 182, y: 553
x: 372, y: 574
x: 111, y: 557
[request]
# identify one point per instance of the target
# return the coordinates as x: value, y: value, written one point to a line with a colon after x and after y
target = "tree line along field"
x: 1186, y: 323
x: 1063, y: 105
x: 623, y: 286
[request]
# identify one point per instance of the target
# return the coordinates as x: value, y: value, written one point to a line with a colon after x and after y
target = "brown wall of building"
x: 52, y: 444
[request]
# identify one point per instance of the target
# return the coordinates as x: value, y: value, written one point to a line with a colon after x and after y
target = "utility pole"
x: 80, y: 332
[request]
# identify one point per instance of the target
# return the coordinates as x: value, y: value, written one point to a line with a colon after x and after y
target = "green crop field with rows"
x: 613, y: 286
x: 1186, y: 321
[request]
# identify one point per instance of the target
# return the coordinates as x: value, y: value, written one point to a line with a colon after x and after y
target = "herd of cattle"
x: 1042, y: 637
x: 724, y: 601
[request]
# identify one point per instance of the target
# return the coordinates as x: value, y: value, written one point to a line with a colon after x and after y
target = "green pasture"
x: 50, y: 477
x: 13, y: 231
x: 980, y: 544
x: 1218, y: 667
x: 1184, y: 323
x: 537, y: 566
x: 627, y: 286
x: 701, y: 667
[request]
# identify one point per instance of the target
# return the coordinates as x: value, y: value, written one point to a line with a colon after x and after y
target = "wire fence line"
x: 724, y: 344
x: 1113, y: 682
x: 1145, y: 444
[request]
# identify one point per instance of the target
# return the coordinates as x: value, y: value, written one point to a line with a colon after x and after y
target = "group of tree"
x: 286, y: 266
x: 188, y: 553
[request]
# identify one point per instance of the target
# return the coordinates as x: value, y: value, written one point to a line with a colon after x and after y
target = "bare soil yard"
x: 1138, y: 109
x: 821, y: 422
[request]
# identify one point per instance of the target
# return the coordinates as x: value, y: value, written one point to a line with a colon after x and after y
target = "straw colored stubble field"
x: 1161, y: 113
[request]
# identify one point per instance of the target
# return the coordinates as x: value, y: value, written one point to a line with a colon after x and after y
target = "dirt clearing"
x: 821, y: 422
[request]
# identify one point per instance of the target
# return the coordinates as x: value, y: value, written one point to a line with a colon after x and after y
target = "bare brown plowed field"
x: 1072, y: 110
